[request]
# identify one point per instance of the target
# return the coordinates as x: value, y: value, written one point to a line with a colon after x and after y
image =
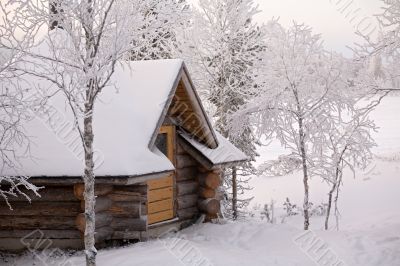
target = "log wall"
x: 48, y: 219
x: 209, y: 200
x: 57, y: 217
x: 196, y: 187
x: 120, y: 212
x: 187, y: 185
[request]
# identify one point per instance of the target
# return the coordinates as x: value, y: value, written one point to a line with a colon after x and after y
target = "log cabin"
x: 158, y: 163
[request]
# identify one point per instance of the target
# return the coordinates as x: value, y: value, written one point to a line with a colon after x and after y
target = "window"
x: 162, y: 143
x: 165, y: 141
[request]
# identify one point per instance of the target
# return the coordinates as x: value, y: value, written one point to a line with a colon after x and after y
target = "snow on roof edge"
x: 167, y: 105
x: 200, y: 103
x: 225, y: 153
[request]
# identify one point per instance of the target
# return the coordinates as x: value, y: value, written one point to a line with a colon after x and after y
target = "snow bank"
x: 250, y: 243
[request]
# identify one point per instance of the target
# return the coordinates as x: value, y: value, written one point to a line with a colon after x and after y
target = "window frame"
x: 170, y: 131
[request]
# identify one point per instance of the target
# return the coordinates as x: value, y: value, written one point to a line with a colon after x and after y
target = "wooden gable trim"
x: 212, y: 141
x: 211, y: 138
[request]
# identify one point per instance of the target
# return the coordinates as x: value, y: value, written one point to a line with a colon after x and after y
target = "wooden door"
x: 160, y: 203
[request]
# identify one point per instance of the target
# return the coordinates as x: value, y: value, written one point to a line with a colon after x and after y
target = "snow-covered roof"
x: 124, y: 122
x: 225, y: 153
x: 126, y: 116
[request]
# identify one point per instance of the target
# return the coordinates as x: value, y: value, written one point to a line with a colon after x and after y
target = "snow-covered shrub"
x: 268, y: 212
x: 290, y: 208
x: 318, y: 210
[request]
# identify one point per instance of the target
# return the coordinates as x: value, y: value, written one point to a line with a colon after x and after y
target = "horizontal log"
x: 129, y: 224
x: 218, y: 171
x: 102, y: 204
x: 51, y: 208
x: 202, y: 169
x: 185, y: 188
x: 126, y: 235
x: 183, y: 161
x: 56, y: 193
x: 188, y: 213
x: 99, y: 190
x: 139, y: 188
x: 127, y: 196
x: 210, y: 180
x: 187, y: 173
x: 209, y: 206
x: 41, y: 234
x: 102, y: 220
x: 36, y: 222
x: 207, y: 193
x: 179, y: 149
x: 127, y: 209
x: 17, y: 245
x: 103, y: 233
x: 187, y: 201
x: 210, y: 217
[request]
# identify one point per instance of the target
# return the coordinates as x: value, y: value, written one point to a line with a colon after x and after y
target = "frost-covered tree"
x: 13, y: 112
x: 303, y: 92
x: 224, y: 52
x: 166, y: 18
x: 382, y: 52
x: 349, y: 146
x: 78, y: 57
x: 14, y: 108
x: 284, y: 165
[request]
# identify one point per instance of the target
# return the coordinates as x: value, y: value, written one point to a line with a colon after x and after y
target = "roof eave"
x: 203, y: 160
x: 106, y: 179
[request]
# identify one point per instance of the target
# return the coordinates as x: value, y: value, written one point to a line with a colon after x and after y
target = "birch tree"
x: 14, y: 107
x: 349, y: 146
x: 349, y: 143
x: 89, y: 39
x: 302, y: 92
x: 224, y: 52
x: 13, y: 112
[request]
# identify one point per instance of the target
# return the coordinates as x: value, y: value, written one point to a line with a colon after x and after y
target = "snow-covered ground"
x: 369, y: 228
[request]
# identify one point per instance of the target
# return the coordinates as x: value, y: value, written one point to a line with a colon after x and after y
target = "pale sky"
x: 323, y: 16
x: 327, y: 17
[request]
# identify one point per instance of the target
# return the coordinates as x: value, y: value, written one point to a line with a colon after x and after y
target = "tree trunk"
x: 330, y: 196
x: 305, y: 175
x: 89, y: 196
x: 329, y: 207
x: 337, y: 214
x: 234, y: 194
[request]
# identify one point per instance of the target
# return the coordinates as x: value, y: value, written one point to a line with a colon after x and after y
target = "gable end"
x: 184, y: 107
